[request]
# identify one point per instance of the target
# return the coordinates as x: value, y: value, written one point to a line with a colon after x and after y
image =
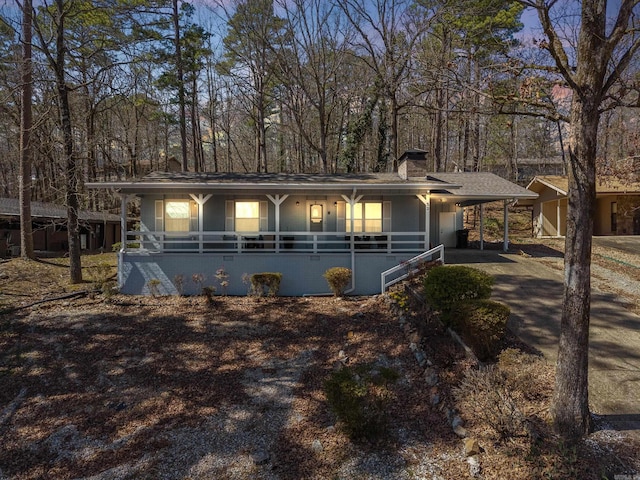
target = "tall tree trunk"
x: 570, y: 406
x: 180, y: 72
x: 26, y: 122
x: 395, y: 113
x: 71, y: 170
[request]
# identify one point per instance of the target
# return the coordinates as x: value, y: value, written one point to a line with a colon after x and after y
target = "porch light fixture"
x: 316, y: 213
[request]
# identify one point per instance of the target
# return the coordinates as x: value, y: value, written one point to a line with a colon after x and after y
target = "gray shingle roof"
x: 474, y: 187
x: 280, y: 178
x: 482, y: 184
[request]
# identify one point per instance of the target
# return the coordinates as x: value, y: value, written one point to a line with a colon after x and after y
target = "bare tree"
x: 26, y: 124
x: 311, y: 64
x: 389, y: 32
x: 600, y: 58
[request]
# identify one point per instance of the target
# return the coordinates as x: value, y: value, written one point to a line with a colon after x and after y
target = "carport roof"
x: 604, y: 185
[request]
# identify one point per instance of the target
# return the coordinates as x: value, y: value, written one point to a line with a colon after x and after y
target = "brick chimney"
x: 412, y: 163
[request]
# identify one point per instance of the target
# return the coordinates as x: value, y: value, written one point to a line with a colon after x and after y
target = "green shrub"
x: 445, y: 286
x: 266, y: 283
x: 359, y: 397
x: 482, y: 324
x: 116, y: 246
x: 338, y: 279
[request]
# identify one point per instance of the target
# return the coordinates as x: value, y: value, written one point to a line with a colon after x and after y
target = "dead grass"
x: 173, y: 387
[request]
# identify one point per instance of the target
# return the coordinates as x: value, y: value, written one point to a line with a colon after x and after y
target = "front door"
x: 448, y: 229
x: 315, y: 216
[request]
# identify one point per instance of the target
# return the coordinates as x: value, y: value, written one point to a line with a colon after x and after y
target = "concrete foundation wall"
x: 301, y: 273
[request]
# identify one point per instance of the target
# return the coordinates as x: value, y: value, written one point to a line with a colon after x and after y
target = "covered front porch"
x: 299, y: 225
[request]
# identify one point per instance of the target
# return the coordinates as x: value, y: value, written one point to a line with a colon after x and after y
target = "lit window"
x: 177, y: 215
x: 247, y: 216
x: 367, y: 217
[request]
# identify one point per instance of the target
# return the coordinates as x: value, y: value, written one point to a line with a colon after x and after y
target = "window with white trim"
x: 247, y: 216
x: 176, y: 216
x: 367, y: 217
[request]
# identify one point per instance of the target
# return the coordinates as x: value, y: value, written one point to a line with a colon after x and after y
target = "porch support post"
x: 200, y: 200
x: 427, y: 218
x: 277, y: 201
x: 123, y: 237
x: 558, y: 218
x: 123, y: 222
x: 352, y: 204
x: 541, y: 229
x: 505, y: 245
x: 482, y: 226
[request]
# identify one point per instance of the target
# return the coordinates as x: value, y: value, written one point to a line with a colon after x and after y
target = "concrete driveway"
x: 628, y: 243
x: 533, y: 291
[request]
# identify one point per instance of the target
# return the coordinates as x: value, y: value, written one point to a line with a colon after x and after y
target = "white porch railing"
x: 409, y: 267
x: 274, y: 242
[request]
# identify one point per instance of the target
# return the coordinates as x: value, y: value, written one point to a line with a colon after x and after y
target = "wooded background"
x: 290, y: 86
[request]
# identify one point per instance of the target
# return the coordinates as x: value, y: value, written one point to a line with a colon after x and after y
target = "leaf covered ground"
x: 173, y: 387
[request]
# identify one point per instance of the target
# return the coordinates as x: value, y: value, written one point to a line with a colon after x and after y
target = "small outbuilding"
x: 98, y: 230
x: 617, y: 206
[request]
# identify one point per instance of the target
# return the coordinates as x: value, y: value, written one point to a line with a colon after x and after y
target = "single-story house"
x: 617, y: 206
x: 297, y: 224
x: 98, y: 230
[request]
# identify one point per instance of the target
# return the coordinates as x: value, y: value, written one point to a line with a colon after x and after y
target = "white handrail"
x: 411, y: 266
x: 273, y: 242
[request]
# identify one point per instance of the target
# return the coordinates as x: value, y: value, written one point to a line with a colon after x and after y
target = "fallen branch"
x: 82, y: 293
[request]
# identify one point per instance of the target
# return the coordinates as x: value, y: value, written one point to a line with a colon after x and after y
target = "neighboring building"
x: 617, y: 206
x: 98, y: 231
x: 296, y: 224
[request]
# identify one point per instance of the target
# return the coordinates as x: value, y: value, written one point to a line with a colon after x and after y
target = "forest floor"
x: 118, y: 387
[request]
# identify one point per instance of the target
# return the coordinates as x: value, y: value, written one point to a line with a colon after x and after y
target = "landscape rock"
x: 431, y: 376
x: 474, y: 466
x: 261, y: 457
x: 316, y: 446
x: 420, y: 357
x: 456, y: 422
x: 471, y: 447
x: 460, y: 431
